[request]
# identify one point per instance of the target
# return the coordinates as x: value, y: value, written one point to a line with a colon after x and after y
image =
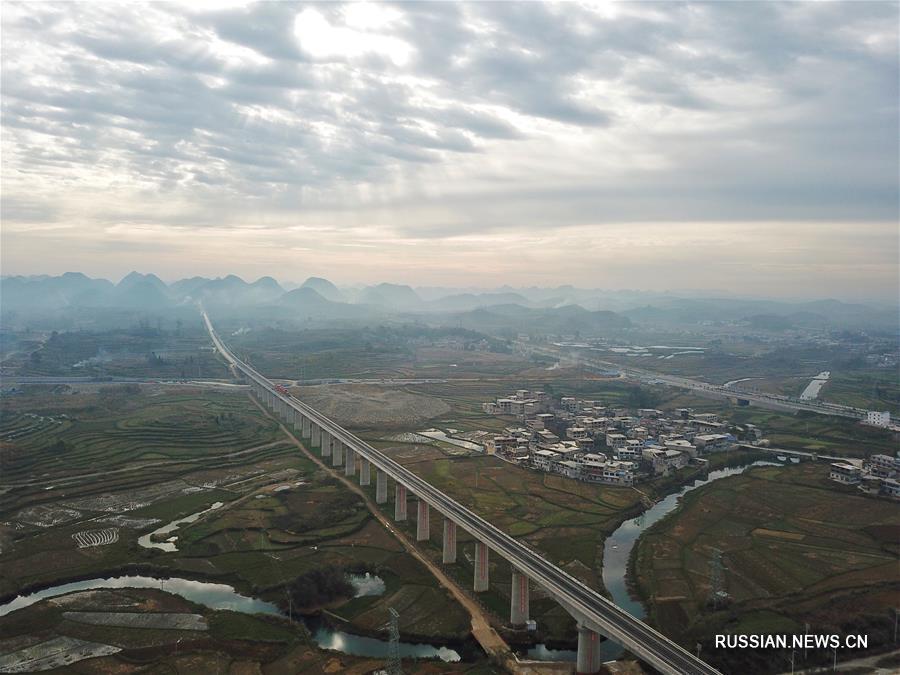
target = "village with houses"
x: 593, y: 442
x: 590, y: 441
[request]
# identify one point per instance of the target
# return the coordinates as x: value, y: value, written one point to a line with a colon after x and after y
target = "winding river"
x: 616, y: 552
x: 223, y: 596
x: 617, y: 548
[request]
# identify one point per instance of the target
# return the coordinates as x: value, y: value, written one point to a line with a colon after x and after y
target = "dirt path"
x: 482, y: 630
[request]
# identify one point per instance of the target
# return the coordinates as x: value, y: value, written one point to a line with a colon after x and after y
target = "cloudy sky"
x: 745, y: 147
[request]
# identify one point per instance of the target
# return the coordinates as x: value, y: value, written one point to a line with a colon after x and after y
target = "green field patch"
x: 227, y: 625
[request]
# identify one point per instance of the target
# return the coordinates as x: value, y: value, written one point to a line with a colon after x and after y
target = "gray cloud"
x: 453, y: 118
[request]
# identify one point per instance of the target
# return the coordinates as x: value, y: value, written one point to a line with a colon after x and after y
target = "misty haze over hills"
x: 561, y: 309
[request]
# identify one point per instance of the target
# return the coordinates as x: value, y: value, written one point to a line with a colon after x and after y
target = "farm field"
x: 795, y: 549
x: 125, y: 461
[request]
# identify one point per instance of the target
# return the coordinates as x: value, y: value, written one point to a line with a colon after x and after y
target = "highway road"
x: 589, y: 607
x: 651, y: 377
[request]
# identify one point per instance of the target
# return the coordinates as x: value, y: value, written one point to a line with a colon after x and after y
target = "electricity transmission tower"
x: 394, y: 665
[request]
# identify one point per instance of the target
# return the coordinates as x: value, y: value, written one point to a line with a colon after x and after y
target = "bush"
x: 319, y: 587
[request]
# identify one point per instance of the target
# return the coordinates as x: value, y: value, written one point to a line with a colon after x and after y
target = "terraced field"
x: 47, y: 436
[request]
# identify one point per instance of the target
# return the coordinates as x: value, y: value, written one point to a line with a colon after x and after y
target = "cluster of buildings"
x: 588, y: 440
x: 877, y: 475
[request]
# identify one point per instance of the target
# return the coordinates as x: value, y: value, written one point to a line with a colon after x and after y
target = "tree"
x: 319, y: 587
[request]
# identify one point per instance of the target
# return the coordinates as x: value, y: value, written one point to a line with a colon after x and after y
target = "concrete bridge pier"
x: 298, y: 422
x: 315, y: 436
x: 337, y: 452
x: 449, y: 555
x: 327, y: 444
x: 307, y: 428
x: 380, y: 486
x: 365, y: 471
x: 400, y: 503
x: 588, y: 660
x: 482, y: 567
x: 519, y: 599
x: 423, y: 521
x: 350, y: 462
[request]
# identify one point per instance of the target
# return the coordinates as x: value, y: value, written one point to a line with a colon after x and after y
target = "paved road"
x: 587, y: 605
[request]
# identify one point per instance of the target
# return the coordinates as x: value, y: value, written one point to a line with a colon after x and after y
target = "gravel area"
x: 157, y: 620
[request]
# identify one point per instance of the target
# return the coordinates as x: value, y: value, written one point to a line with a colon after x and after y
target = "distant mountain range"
x: 563, y: 309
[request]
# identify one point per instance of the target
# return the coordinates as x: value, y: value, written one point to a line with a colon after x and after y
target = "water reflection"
x: 169, y: 545
x: 223, y: 596
x: 214, y: 596
x: 365, y: 646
